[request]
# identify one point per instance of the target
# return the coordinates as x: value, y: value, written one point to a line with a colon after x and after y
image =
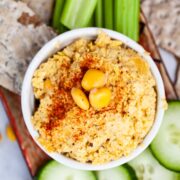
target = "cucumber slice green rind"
x: 124, y: 172
x: 131, y: 171
x: 38, y: 174
x: 147, y: 167
x: 55, y: 171
x: 166, y: 145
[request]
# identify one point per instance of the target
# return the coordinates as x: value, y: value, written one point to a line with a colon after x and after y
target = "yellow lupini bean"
x: 100, y: 97
x: 80, y: 98
x: 93, y: 78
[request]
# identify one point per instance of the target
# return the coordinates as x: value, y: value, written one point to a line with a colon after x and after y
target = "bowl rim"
x: 59, y: 42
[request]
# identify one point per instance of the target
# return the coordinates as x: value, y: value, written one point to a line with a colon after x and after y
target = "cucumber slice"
x: 56, y: 171
x: 147, y: 167
x: 166, y: 145
x: 124, y: 172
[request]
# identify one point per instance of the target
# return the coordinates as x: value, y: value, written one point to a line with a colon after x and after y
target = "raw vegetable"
x: 166, y: 145
x: 121, y: 16
x: 118, y: 14
x: 91, y: 22
x: 57, y: 14
x: 147, y: 167
x: 108, y: 14
x: 56, y: 171
x: 77, y: 13
x: 99, y: 14
x: 124, y: 172
x: 126, y: 17
x: 134, y: 30
x: 130, y: 31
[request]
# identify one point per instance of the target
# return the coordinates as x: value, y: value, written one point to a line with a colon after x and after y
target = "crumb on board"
x: 0, y: 137
x: 10, y: 133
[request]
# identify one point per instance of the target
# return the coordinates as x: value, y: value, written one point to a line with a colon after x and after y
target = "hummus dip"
x: 94, y: 136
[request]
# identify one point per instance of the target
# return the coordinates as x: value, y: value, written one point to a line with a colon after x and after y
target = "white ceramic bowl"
x: 59, y: 42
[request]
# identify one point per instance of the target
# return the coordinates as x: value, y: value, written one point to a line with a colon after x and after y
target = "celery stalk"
x: 77, y: 13
x: 57, y: 13
x: 133, y: 20
x: 118, y: 14
x: 99, y: 14
x: 108, y: 14
x: 130, y: 18
x: 136, y: 20
x: 91, y: 22
x: 127, y: 17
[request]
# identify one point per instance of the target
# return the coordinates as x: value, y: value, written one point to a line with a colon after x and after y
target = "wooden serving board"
x: 33, y: 155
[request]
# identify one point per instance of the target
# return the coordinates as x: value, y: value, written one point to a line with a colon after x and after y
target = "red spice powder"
x: 62, y: 102
x: 87, y: 63
x: 78, y: 135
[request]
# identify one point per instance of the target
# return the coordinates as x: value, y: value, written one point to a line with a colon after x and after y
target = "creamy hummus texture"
x: 94, y: 136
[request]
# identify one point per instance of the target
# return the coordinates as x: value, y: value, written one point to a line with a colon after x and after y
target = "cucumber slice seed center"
x: 144, y: 170
x: 174, y: 135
